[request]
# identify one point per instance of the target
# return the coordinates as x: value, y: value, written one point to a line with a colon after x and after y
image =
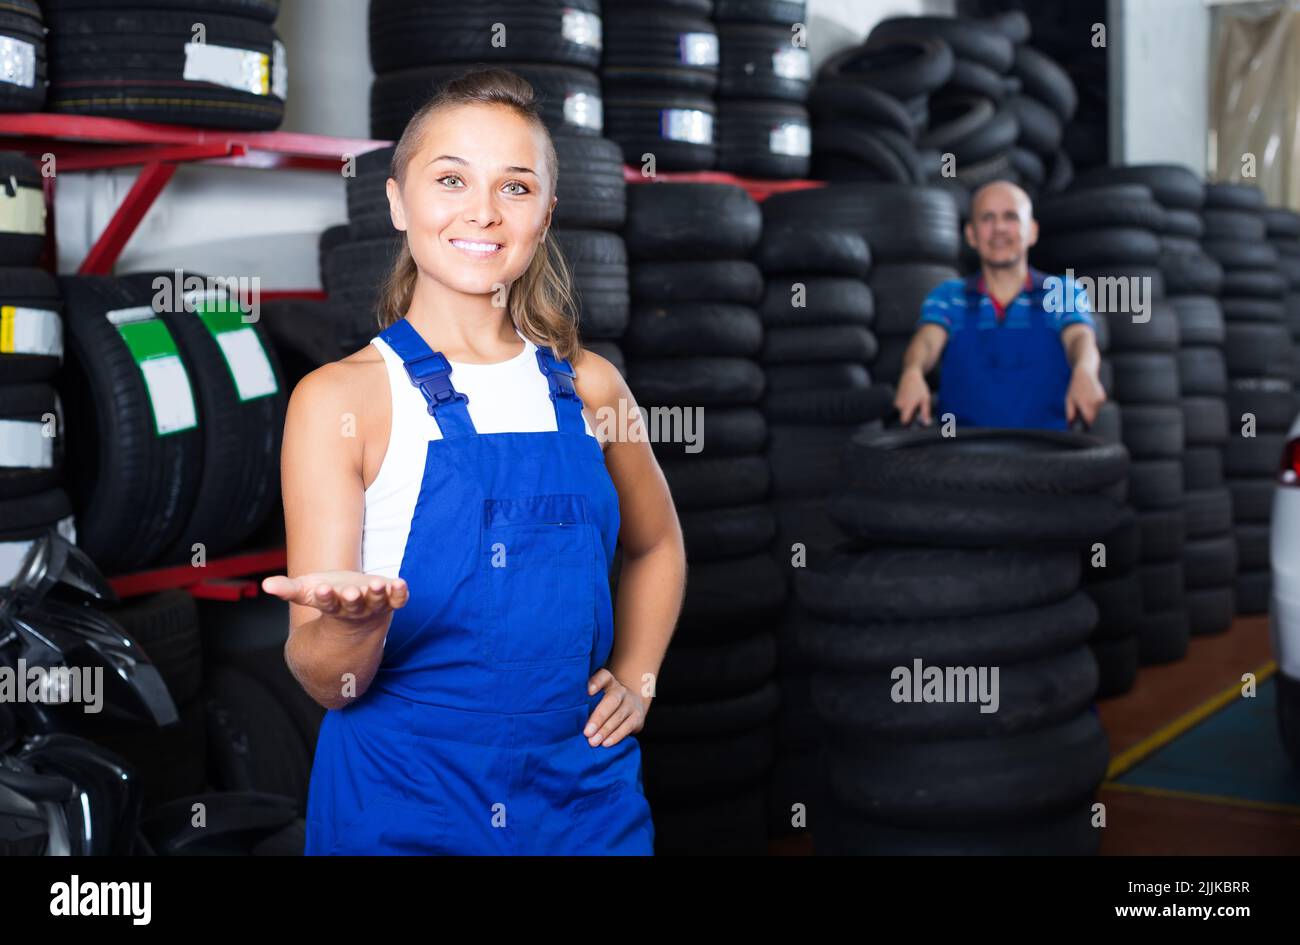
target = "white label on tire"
x: 17, y: 62
x: 791, y: 62
x: 170, y: 393
x: 24, y: 212
x: 30, y: 331
x: 24, y: 445
x: 698, y: 49
x: 249, y: 365
x: 243, y: 69
x: 125, y: 316
x: 791, y: 138
x: 279, y: 71
x: 580, y: 27
x: 584, y: 110
x: 686, y: 124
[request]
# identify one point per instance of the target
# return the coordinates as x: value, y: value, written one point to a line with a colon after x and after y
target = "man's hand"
x: 1084, y: 396
x: 913, y: 397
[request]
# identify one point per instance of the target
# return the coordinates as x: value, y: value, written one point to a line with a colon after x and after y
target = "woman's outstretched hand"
x: 343, y: 595
x: 621, y: 712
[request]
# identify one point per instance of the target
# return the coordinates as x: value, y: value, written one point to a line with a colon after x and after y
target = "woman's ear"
x: 395, y: 211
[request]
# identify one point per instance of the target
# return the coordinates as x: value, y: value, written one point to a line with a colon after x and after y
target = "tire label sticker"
x: 698, y: 49
x: 791, y: 138
x: 242, y: 349
x: 686, y: 124
x: 17, y: 62
x: 792, y: 63
x: 23, y: 210
x: 30, y: 331
x: 171, y: 397
x: 243, y: 69
x: 279, y: 71
x: 584, y: 110
x: 580, y: 27
x: 24, y: 445
x: 13, y: 553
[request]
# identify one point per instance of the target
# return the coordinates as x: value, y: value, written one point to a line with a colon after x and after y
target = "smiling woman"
x: 451, y: 521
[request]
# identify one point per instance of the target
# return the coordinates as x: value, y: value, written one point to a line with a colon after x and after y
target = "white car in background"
x: 1284, y: 552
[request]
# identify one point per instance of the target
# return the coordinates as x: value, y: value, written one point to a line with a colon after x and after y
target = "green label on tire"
x: 171, y: 398
x: 240, y: 345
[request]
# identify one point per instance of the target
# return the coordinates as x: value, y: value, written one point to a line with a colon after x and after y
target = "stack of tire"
x: 1261, y: 367
x: 659, y: 75
x: 763, y: 78
x: 817, y: 311
x: 32, y: 451
x: 22, y: 33
x: 1112, y: 231
x: 1283, y: 229
x: 1044, y: 107
x: 967, y: 564
x: 140, y: 59
x: 174, y: 416
x: 914, y: 235
x: 1192, y: 280
x: 869, y: 107
x: 417, y: 45
x: 693, y: 350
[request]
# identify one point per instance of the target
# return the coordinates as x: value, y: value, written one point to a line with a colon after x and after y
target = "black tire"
x: 904, y: 67
x: 972, y: 78
x: 171, y: 761
x: 242, y: 429
x: 969, y: 38
x: 899, y: 223
x: 598, y: 263
x: 735, y: 281
x: 750, y: 57
x: 714, y: 482
x: 1119, y: 605
x: 406, y: 35
x: 693, y: 329
x: 921, y: 583
x: 1040, y: 128
x: 1159, y: 331
x: 1153, y: 431
x: 1162, y: 532
x: 130, y: 63
x: 1164, y: 637
x: 970, y: 782
x: 1253, y: 590
x: 715, y: 717
x: 1258, y: 350
x: 1185, y: 223
x: 844, y: 152
x: 1205, y: 421
x: 691, y: 221
x: 1248, y: 309
x: 731, y: 431
x: 674, y: 128
x: 21, y: 241
x: 1254, y: 284
x: 1257, y: 455
x: 166, y: 625
x: 29, y: 288
x: 132, y: 488
x: 1171, y: 184
x: 696, y: 381
x: 836, y: 375
x: 1111, y: 205
x: 31, y: 458
x: 1043, y: 79
x: 1202, y: 372
x: 805, y: 459
x: 1117, y: 665
x: 252, y: 744
x: 693, y: 673
x: 727, y: 533
x: 824, y: 301
x: 1233, y: 225
x: 828, y: 407
x: 965, y: 520
x: 847, y: 99
x: 1210, y: 609
x: 1203, y: 467
x: 786, y: 248
x: 1212, y: 562
x: 1145, y: 377
x: 818, y: 343
x: 727, y: 599
x: 1234, y: 252
x: 763, y: 139
x: 591, y: 189
x: 647, y: 47
x: 1252, y: 500
x: 1155, y: 483
x: 569, y: 96
x: 1272, y: 402
x: 1200, y: 320
x: 1099, y: 247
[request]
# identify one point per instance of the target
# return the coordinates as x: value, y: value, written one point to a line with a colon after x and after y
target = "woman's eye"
x: 447, y: 177
x: 522, y: 189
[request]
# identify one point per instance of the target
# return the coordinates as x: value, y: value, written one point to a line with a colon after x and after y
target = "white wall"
x: 243, y: 222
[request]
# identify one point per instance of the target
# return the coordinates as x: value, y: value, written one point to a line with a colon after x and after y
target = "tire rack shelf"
x: 85, y: 143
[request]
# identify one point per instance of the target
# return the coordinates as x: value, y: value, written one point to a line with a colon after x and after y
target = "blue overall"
x: 469, y: 739
x: 1011, y: 372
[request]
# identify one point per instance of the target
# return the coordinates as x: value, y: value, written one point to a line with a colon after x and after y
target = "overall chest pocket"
x: 537, y: 571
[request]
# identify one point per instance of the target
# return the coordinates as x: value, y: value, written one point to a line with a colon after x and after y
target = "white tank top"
x: 507, y: 397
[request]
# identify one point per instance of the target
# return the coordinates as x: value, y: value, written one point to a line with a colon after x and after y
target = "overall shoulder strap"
x: 568, y: 405
x: 431, y: 373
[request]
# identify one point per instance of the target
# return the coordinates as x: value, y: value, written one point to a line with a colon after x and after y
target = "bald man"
x: 1018, y: 345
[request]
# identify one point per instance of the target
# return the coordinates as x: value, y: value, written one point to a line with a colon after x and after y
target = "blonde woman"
x: 451, y: 520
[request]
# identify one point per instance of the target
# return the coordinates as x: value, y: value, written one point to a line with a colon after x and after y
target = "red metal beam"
x: 266, y: 561
x: 99, y: 261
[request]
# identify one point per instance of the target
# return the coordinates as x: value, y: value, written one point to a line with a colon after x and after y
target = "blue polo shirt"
x: 1006, y: 367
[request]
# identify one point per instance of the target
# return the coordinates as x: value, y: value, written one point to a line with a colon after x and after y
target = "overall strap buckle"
x: 559, y: 375
x: 429, y: 372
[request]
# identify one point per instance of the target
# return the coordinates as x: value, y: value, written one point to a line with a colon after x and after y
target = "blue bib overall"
x: 995, y: 375
x: 469, y: 739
